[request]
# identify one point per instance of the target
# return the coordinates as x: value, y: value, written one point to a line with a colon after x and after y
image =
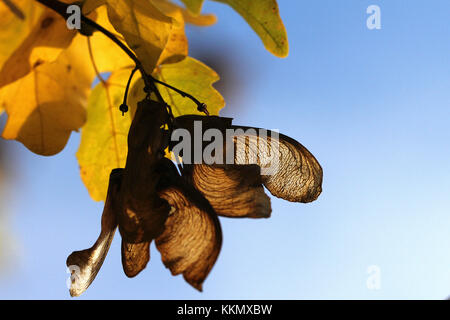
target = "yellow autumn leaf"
x: 108, y: 56
x: 15, y: 27
x: 193, y: 77
x: 145, y: 29
x: 190, y: 76
x: 91, y: 5
x: 103, y: 145
x: 176, y: 48
x: 48, y: 37
x: 201, y: 20
x: 194, y: 6
x: 47, y: 104
x: 264, y: 18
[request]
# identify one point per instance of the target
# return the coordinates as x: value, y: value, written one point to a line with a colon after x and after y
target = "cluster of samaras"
x: 150, y: 199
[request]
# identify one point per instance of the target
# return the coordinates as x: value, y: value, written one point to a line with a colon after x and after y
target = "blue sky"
x: 373, y: 106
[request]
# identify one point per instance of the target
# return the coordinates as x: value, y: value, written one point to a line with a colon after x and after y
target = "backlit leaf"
x: 14, y: 29
x: 201, y: 20
x: 145, y: 29
x: 193, y: 77
x: 47, y: 104
x: 48, y: 37
x: 91, y: 5
x: 264, y: 18
x: 103, y: 144
x: 176, y: 48
x: 108, y: 56
x: 194, y: 6
x: 189, y: 75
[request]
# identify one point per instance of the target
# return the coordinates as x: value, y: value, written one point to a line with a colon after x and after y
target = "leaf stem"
x: 124, y: 107
x: 200, y: 105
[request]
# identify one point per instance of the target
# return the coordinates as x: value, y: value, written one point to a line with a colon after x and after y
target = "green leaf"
x: 145, y: 29
x: 264, y: 18
x: 194, y: 6
x: 103, y: 145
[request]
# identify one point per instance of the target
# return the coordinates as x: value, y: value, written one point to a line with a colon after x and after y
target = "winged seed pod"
x: 149, y: 199
x: 235, y: 190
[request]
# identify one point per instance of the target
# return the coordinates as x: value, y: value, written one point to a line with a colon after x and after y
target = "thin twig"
x: 61, y: 9
x: 124, y: 107
x: 200, y: 105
